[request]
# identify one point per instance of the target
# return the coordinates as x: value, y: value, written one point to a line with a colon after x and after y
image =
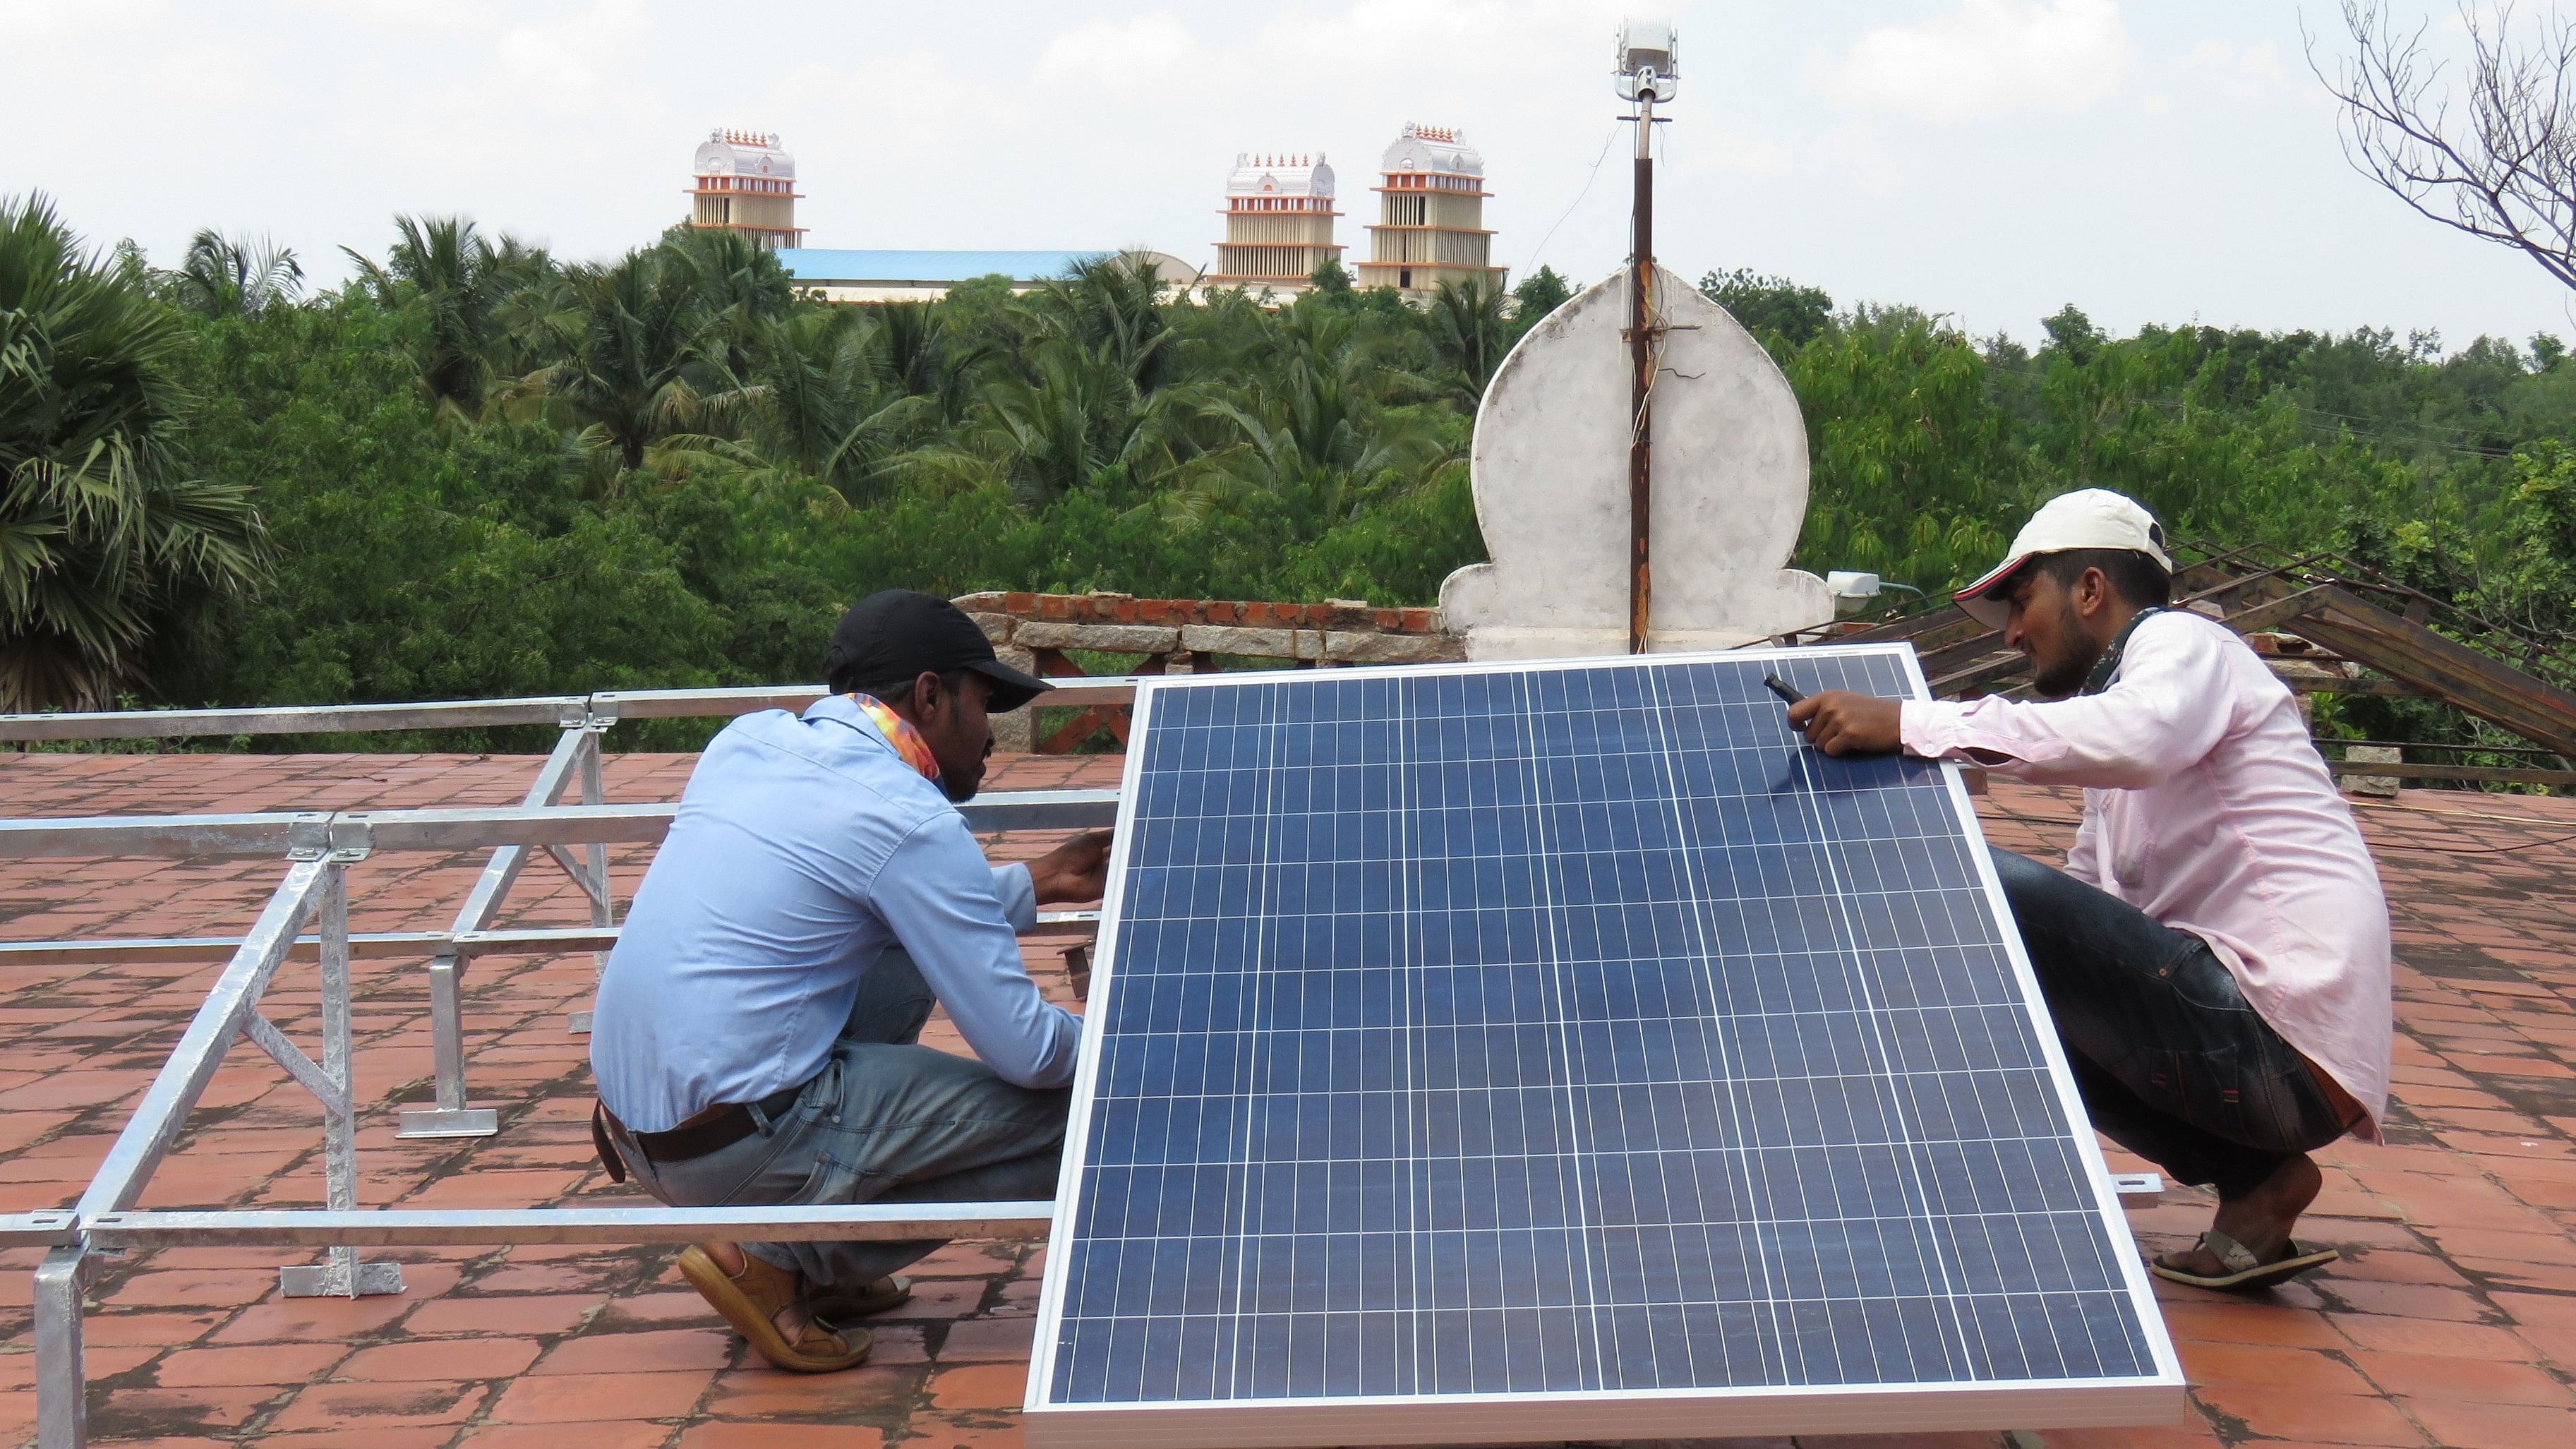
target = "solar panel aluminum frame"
x: 1537, y: 1417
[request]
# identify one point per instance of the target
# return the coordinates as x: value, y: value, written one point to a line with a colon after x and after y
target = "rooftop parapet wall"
x: 1185, y: 636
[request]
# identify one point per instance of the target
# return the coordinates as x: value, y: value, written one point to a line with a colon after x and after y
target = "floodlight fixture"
x: 1647, y: 61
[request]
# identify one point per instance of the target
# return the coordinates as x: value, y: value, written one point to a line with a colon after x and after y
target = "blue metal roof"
x: 818, y: 264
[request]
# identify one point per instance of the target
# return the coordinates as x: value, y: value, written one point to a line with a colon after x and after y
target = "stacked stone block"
x: 1031, y: 631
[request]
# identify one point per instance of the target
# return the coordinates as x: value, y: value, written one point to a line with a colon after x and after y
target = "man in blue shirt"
x: 755, y: 1037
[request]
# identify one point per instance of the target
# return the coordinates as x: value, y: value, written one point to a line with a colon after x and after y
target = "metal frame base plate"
x: 327, y: 1280
x: 448, y: 1122
x: 577, y: 1022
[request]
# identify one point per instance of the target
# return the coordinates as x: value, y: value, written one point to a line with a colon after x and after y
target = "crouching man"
x: 2216, y: 951
x: 755, y: 1039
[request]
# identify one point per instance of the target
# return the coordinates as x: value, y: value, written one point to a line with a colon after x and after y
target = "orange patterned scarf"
x: 900, y: 733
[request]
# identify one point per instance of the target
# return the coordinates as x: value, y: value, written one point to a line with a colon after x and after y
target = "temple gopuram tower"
x: 1278, y: 223
x: 1431, y: 216
x: 746, y: 184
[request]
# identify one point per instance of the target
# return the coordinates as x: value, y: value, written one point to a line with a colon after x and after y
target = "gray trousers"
x: 886, y: 1120
x: 2172, y: 1062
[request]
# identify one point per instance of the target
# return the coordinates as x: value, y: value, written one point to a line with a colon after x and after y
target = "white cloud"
x: 1117, y: 54
x: 1989, y: 56
x: 2244, y: 72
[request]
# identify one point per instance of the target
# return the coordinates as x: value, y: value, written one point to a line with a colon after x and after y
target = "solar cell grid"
x: 1559, y: 1034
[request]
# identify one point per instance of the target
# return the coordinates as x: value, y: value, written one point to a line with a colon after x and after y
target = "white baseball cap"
x: 2085, y: 518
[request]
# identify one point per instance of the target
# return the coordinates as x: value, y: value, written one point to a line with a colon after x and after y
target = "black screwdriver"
x: 1788, y: 692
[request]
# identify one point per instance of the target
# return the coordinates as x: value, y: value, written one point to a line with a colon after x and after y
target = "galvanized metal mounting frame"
x: 319, y: 847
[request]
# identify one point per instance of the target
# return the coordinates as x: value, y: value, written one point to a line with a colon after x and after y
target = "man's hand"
x: 1077, y: 870
x: 1840, y: 722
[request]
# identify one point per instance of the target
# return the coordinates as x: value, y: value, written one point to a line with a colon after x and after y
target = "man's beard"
x: 958, y: 791
x: 2058, y: 680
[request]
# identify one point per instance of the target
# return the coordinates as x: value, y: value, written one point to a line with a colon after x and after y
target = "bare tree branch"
x: 2504, y: 171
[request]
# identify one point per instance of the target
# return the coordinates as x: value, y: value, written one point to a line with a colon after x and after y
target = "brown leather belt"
x: 711, y: 1130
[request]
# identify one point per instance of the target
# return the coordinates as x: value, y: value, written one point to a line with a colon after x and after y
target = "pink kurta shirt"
x: 2206, y: 806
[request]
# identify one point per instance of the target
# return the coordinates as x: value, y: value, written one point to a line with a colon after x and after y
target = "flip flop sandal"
x: 751, y: 1300
x: 2244, y: 1271
x: 873, y: 1298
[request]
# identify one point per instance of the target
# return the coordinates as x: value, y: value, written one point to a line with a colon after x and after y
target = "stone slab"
x: 1108, y: 638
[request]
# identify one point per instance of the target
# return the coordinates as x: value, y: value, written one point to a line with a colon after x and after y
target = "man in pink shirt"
x: 2216, y: 951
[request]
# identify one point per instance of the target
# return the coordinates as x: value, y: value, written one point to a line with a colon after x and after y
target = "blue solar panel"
x: 1561, y: 1035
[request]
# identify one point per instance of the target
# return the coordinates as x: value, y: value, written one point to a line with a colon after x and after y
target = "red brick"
x: 623, y: 1434
x: 2253, y: 1365
x: 2407, y: 1300
x: 153, y: 1329
x: 2319, y: 1418
x: 575, y: 1398
x: 436, y: 1358
x: 671, y: 1350
x: 336, y: 1405
x: 2456, y: 1425
x: 2428, y: 1376
x: 2227, y: 1321
x: 311, y: 1320
x: 731, y: 1434
x: 208, y: 1288
x: 544, y: 1314
x: 178, y: 1410
x: 2195, y: 1434
x: 258, y: 1363
x: 655, y: 1308
x: 2449, y: 1340
x: 970, y: 1339
x: 870, y: 1391
x: 963, y: 1431
x: 365, y: 1436
x: 980, y: 1386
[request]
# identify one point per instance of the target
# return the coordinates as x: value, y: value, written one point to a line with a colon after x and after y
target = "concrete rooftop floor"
x: 2451, y: 1319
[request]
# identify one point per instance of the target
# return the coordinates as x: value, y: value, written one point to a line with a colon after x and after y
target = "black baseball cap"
x: 902, y: 633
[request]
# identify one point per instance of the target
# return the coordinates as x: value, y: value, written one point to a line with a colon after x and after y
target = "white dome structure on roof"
x: 1433, y: 149
x: 1279, y: 175
x: 1431, y: 216
x: 745, y: 183
x: 1278, y: 222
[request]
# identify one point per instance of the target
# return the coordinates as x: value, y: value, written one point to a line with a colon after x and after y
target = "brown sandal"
x: 873, y: 1298
x: 751, y: 1300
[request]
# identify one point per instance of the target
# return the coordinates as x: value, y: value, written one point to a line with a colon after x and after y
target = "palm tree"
x: 643, y: 364
x: 1470, y: 333
x: 922, y: 355
x: 103, y: 535
x: 444, y: 268
x: 220, y: 277
x: 1306, y: 434
x: 1111, y: 307
x: 1076, y: 413
x: 825, y: 402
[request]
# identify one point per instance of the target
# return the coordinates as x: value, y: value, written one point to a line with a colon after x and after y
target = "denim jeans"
x: 2173, y: 1064
x: 886, y: 1120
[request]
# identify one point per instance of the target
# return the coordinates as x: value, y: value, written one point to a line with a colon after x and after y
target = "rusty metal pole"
x: 1641, y: 363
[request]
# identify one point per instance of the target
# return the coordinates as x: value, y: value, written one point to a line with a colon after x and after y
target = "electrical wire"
x: 1589, y: 178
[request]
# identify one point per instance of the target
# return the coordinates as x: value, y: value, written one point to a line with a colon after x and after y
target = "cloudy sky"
x: 1994, y: 159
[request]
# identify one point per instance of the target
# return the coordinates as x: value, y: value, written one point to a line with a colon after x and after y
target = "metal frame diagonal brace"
x: 314, y: 888
x: 450, y: 1116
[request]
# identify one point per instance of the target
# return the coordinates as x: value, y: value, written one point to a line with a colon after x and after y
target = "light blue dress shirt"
x: 802, y: 848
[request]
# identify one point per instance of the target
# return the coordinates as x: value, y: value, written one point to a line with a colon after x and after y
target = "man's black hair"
x: 2136, y: 578
x: 894, y: 691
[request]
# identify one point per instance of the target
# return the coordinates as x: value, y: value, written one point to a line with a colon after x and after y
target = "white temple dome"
x: 744, y: 153
x: 1261, y: 173
x: 1434, y: 149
